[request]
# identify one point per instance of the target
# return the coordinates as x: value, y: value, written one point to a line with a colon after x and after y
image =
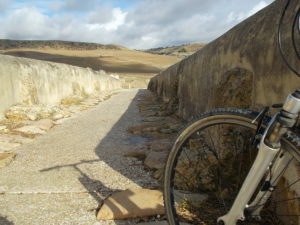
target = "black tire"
x: 201, y: 181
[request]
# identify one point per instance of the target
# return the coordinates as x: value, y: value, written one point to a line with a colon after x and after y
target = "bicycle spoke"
x: 187, y: 181
x: 288, y: 186
x: 280, y: 201
x: 187, y: 156
x: 187, y: 165
x: 274, y: 181
x: 213, y: 145
x: 214, y: 161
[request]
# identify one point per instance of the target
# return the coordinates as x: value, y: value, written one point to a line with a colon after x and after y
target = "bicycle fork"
x: 269, y: 148
x: 272, y: 179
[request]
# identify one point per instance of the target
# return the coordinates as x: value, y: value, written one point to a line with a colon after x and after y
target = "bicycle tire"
x: 227, y: 117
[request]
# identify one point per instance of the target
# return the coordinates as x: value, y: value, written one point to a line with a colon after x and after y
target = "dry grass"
x: 121, y: 61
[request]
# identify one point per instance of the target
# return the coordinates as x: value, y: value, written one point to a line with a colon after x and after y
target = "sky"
x: 137, y: 24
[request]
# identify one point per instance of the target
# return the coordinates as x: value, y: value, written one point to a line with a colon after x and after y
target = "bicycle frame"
x: 269, y: 148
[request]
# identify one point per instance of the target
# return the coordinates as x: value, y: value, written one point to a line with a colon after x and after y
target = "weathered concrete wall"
x: 29, y: 82
x: 242, y: 68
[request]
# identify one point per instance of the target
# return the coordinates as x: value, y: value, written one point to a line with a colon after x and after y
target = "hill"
x: 110, y: 58
x: 179, y: 51
x: 6, y: 44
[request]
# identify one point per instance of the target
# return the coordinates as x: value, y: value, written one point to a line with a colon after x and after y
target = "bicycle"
x: 237, y: 166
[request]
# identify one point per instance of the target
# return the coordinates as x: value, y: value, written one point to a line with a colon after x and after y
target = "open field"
x: 122, y: 61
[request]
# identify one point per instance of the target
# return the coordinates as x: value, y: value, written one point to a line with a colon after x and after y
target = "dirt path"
x: 63, y: 176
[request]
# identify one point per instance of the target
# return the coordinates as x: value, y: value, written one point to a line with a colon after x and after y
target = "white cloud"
x: 172, y: 22
x: 102, y: 14
x: 256, y: 8
x: 239, y: 16
x: 4, y: 4
x: 118, y: 19
x: 27, y: 23
x: 30, y: 23
x: 148, y: 24
x: 235, y: 17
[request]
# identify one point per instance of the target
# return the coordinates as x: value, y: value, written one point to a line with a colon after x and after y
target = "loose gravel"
x: 63, y: 176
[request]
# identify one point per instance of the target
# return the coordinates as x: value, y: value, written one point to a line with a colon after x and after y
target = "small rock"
x: 132, y: 203
x: 6, y: 146
x: 154, y: 119
x: 44, y: 124
x: 163, y: 145
x: 158, y: 174
x: 140, y: 155
x: 32, y: 116
x: 149, y: 113
x: 2, y: 128
x: 143, y: 129
x: 150, y: 129
x: 167, y: 131
x: 194, y: 198
x: 6, y: 158
x: 15, y: 115
x: 67, y: 115
x: 30, y: 130
x: 22, y: 112
x: 57, y: 116
x: 45, y: 112
x: 61, y: 121
x: 156, y: 160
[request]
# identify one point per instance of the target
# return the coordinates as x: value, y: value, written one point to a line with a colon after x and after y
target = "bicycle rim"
x: 207, y: 166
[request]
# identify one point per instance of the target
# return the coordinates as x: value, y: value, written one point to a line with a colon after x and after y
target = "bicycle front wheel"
x: 208, y: 163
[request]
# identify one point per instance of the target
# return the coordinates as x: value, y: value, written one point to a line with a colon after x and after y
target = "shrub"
x: 182, y: 50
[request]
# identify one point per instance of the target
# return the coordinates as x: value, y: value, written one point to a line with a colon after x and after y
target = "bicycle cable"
x: 279, y: 39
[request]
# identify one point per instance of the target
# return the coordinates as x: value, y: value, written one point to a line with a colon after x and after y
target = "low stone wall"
x: 29, y: 82
x: 242, y: 68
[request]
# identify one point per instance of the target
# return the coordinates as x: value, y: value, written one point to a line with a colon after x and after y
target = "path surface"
x: 62, y: 177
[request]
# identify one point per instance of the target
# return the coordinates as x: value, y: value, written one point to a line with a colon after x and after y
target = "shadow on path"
x: 5, y: 221
x: 92, y: 186
x: 117, y: 162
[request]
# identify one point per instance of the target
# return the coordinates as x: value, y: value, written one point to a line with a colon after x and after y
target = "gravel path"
x: 62, y: 177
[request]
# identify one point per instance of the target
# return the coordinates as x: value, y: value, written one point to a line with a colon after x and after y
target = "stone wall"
x: 30, y: 82
x: 242, y: 68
